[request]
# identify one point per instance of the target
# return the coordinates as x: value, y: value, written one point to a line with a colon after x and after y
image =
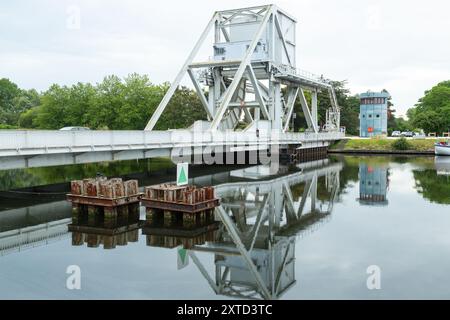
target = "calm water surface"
x: 310, y: 231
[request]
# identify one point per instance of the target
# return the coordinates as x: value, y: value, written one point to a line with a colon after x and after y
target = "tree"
x: 54, y: 104
x: 104, y: 110
x: 183, y: 110
x: 391, y: 118
x: 432, y: 112
x: 402, y: 125
x: 28, y: 118
x: 14, y: 101
x: 8, y: 93
x: 114, y: 103
x: 25, y: 100
x: 140, y: 99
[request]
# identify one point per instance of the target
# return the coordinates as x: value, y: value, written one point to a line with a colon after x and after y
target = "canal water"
x: 337, y: 228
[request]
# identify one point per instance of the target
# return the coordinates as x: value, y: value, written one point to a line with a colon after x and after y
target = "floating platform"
x: 108, y: 197
x: 187, y: 199
x: 172, y: 205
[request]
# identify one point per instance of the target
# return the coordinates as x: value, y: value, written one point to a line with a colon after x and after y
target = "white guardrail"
x: 35, y: 142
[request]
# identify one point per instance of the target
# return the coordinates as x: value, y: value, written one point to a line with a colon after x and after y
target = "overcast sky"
x: 400, y: 45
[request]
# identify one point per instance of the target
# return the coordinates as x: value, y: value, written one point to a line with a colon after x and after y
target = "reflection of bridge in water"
x: 254, y: 253
x: 33, y: 226
x: 252, y: 240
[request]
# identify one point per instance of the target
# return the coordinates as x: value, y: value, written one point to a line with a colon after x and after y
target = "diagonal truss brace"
x: 229, y: 225
x: 200, y: 93
x: 293, y: 92
x: 163, y: 104
x: 281, y: 35
x: 309, y: 119
x: 258, y: 92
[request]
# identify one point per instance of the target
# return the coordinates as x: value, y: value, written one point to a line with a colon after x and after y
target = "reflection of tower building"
x: 373, y: 184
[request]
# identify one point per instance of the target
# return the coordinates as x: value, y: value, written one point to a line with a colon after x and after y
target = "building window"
x: 370, y: 116
x: 378, y: 115
x: 219, y: 51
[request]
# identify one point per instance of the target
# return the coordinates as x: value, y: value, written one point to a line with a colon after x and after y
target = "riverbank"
x: 384, y: 146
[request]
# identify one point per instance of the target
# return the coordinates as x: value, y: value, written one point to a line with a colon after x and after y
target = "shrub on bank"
x: 386, y: 144
x: 401, y: 144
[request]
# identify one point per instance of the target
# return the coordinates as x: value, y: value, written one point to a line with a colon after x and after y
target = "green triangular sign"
x: 182, y: 253
x: 182, y: 173
x: 182, y: 258
x: 182, y: 177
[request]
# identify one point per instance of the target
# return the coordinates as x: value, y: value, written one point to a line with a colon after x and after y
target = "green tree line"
x: 114, y: 103
x: 432, y: 112
x: 128, y: 103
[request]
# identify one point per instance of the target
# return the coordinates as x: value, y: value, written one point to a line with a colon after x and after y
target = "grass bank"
x: 381, y: 145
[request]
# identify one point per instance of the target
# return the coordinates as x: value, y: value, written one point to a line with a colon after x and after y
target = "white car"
x: 74, y: 129
x: 419, y: 135
x: 396, y: 134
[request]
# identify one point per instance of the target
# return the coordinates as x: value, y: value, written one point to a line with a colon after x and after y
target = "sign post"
x: 182, y: 173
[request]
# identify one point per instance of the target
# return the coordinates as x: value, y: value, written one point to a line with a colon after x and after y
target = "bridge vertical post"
x: 313, y: 193
x: 277, y: 106
x: 314, y: 108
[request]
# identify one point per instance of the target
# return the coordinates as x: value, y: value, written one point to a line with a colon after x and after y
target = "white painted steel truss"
x: 259, y: 92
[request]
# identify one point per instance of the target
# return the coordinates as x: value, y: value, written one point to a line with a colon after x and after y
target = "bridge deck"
x: 28, y: 148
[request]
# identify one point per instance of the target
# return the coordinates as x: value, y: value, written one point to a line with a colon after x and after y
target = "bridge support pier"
x: 109, y: 242
x: 169, y: 218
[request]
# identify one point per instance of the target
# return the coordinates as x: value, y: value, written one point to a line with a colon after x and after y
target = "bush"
x: 7, y: 126
x: 401, y: 144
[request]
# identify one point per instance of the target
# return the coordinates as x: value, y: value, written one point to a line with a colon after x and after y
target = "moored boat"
x: 442, y: 148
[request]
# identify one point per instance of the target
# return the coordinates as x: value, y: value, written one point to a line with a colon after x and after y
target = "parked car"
x: 396, y: 134
x: 419, y: 135
x: 74, y: 129
x: 407, y: 134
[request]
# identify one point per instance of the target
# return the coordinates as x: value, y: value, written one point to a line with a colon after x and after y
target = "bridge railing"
x: 32, y: 142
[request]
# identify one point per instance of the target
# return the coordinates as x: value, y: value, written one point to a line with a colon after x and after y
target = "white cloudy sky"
x: 400, y: 45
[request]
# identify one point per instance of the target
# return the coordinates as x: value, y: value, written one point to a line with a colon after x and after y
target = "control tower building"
x: 373, y: 113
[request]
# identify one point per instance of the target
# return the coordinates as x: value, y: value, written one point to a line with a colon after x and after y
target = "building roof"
x: 370, y: 94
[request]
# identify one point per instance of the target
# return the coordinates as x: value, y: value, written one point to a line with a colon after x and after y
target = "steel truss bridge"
x: 248, y: 91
